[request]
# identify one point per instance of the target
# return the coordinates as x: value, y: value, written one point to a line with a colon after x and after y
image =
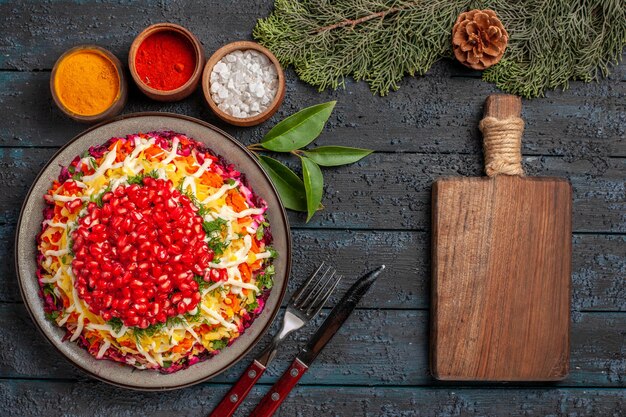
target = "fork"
x: 303, y: 306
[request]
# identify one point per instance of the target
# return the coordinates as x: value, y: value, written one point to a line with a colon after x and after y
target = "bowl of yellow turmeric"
x: 88, y: 84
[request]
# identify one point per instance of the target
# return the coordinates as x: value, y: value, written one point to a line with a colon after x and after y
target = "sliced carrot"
x: 246, y: 274
x: 152, y: 152
x: 211, y: 179
x: 244, y: 221
x: 182, y: 346
x: 235, y: 305
x: 236, y: 201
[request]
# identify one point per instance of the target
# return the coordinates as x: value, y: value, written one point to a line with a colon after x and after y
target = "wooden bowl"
x: 177, y: 93
x: 115, y: 107
x: 206, y: 84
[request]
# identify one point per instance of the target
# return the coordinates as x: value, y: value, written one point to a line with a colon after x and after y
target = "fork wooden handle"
x: 274, y: 398
x: 239, y: 391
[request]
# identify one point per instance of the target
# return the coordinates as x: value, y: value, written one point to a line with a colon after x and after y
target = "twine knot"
x: 502, y: 145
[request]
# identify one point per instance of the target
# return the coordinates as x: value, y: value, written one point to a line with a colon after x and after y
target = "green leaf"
x: 290, y: 187
x: 313, y: 184
x: 331, y: 156
x: 299, y: 129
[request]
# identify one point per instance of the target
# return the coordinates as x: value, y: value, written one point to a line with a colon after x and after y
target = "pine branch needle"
x: 381, y: 41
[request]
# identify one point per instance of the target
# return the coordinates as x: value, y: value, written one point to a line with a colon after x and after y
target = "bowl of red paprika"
x: 166, y: 62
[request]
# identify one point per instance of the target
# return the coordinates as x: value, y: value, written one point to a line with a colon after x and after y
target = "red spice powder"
x: 165, y: 60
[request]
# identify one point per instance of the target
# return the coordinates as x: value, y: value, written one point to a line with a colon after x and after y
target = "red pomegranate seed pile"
x: 136, y: 256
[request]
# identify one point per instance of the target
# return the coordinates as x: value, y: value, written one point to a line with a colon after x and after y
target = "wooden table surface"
x: 377, y: 211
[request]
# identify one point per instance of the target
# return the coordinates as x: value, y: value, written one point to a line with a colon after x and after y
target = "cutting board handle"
x: 502, y: 128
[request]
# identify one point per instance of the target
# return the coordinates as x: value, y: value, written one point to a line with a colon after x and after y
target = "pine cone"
x: 479, y: 39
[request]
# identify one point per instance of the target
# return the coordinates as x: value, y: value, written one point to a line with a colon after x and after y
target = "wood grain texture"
x: 501, y: 279
x: 382, y: 348
x: 424, y: 131
x: 432, y: 114
x: 391, y: 191
x: 19, y: 398
x: 501, y: 267
x: 598, y: 284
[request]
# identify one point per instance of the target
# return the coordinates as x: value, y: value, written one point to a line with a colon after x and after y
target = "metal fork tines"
x: 303, y: 306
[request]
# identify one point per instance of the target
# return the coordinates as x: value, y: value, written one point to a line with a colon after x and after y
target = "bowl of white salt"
x: 243, y: 83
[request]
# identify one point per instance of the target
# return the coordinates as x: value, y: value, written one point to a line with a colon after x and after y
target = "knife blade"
x: 272, y: 400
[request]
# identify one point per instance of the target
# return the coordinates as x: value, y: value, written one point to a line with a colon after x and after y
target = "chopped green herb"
x: 138, y: 179
x: 202, y: 211
x: 218, y: 290
x: 116, y: 324
x: 219, y: 344
x: 70, y: 245
x: 48, y: 289
x: 93, y: 164
x: 230, y: 181
x: 53, y: 315
x: 194, y: 317
x: 167, y: 364
x: 174, y: 321
x: 265, y: 280
x: 148, y: 331
x: 153, y: 329
x: 202, y: 284
x: 78, y: 176
x: 214, y: 230
x: 98, y: 198
x: 259, y: 232
x: 216, y: 225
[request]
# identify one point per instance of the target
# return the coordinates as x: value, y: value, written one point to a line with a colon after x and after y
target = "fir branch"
x: 354, y: 22
x: 380, y: 41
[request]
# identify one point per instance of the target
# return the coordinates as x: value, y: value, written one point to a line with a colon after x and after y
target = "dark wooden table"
x: 377, y: 211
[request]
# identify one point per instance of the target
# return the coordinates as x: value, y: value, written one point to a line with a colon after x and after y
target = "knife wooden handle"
x: 274, y: 398
x: 239, y: 391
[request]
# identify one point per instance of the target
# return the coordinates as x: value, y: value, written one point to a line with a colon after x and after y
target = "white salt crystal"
x: 244, y: 83
x: 222, y: 92
x: 220, y: 67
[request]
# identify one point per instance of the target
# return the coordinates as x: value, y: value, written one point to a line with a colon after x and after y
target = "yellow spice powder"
x: 86, y: 82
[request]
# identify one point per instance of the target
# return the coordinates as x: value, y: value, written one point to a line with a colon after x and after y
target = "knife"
x: 274, y: 398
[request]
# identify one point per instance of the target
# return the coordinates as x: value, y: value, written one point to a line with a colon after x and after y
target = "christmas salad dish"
x: 153, y: 252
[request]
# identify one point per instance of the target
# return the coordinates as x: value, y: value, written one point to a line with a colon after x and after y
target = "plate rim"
x: 283, y: 215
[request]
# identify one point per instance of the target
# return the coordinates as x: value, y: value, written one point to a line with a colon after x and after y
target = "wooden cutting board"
x: 501, y: 271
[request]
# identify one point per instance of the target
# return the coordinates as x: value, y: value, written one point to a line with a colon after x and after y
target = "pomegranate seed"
x: 176, y: 298
x: 136, y: 256
x: 217, y: 275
